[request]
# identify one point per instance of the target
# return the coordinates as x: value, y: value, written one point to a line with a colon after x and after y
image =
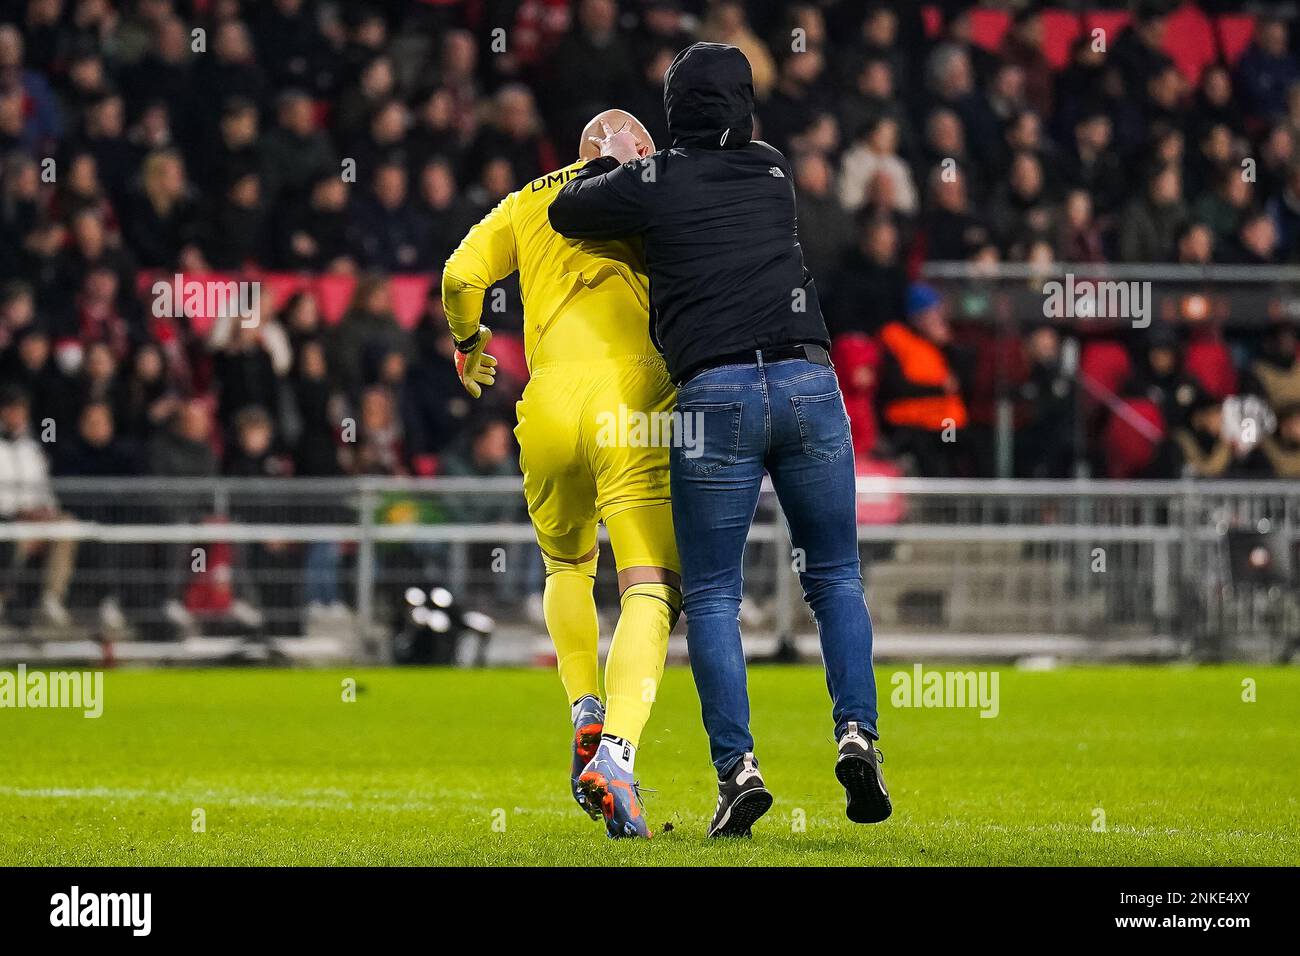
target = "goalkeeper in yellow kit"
x: 593, y: 368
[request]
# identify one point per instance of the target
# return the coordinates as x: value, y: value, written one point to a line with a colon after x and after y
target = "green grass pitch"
x: 470, y: 767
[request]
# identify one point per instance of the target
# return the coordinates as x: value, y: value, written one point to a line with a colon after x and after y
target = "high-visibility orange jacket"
x: 920, y: 398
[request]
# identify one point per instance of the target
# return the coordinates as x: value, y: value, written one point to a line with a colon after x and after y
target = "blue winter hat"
x: 921, y: 297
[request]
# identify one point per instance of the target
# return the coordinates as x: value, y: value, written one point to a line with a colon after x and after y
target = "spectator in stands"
x: 726, y: 22
x: 1045, y: 440
x: 149, y: 395
x: 295, y: 153
x: 316, y: 453
x: 229, y: 70
x: 515, y: 134
x: 1149, y: 226
x: 183, y: 450
x: 1275, y: 373
x: 875, y: 153
x: 236, y: 152
x: 383, y: 140
x: 237, y: 235
x: 1079, y: 236
x: 592, y: 67
x: 97, y: 452
x: 92, y: 247
x: 870, y: 288
x: 314, y: 235
x: 29, y: 364
x: 797, y: 102
x: 825, y: 228
x: 301, y: 320
x: 1282, y: 450
x: 26, y: 496
x: 1285, y: 210
x: 920, y: 393
x: 1266, y: 71
x: 1225, y: 207
x: 82, y: 191
x: 265, y: 570
x: 42, y: 124
x: 1195, y: 244
x: 1204, y: 450
x: 367, y: 331
x: 17, y: 313
x: 97, y: 380
x: 1021, y: 212
x: 952, y: 231
x: 447, y: 215
x: 319, y: 413
x: 1255, y: 242
x: 1158, y: 376
x: 380, y: 448
x: 104, y: 137
x: 434, y: 407
x: 161, y: 221
x: 244, y: 367
x: 388, y: 232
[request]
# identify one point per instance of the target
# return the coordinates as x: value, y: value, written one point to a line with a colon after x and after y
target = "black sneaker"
x: 858, y: 769
x: 742, y: 799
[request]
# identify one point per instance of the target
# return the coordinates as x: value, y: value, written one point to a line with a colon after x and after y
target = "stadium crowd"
x: 358, y: 142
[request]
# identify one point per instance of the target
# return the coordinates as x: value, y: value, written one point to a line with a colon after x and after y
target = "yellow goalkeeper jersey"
x: 583, y: 300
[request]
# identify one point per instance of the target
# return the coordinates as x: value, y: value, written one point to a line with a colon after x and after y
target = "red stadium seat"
x: 857, y: 360
x: 1128, y: 450
x: 508, y: 349
x: 879, y: 508
x: 1060, y: 29
x: 1190, y: 41
x: 279, y: 287
x: 1209, y: 362
x: 932, y: 18
x: 409, y: 294
x: 333, y: 293
x: 1235, y: 31
x: 988, y: 27
x: 1106, y: 362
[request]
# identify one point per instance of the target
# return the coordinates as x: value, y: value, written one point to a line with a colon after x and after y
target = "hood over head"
x: 709, y: 97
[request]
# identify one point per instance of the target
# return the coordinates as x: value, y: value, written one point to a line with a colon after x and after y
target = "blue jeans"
x: 786, y: 417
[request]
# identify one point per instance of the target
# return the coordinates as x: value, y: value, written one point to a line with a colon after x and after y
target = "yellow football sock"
x: 569, y: 607
x: 636, y: 657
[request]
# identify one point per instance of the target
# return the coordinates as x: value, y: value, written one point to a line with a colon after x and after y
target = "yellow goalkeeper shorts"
x: 594, y: 440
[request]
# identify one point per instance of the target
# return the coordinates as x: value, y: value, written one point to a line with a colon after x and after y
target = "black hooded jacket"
x: 717, y: 214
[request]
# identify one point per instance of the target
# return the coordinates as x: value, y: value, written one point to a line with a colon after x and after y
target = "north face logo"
x: 776, y: 171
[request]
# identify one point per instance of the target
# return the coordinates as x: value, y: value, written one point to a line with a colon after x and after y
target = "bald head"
x: 616, y: 119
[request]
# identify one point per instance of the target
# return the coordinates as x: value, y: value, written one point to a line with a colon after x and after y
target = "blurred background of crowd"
x: 916, y: 133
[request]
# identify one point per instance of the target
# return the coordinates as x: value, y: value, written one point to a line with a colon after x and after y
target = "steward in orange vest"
x: 919, y: 388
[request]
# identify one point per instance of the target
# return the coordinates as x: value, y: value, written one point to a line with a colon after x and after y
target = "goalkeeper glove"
x: 475, y: 368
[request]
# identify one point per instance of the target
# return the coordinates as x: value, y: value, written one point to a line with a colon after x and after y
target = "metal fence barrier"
x: 351, y: 566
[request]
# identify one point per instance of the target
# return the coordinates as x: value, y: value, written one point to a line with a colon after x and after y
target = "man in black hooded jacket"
x: 736, y: 315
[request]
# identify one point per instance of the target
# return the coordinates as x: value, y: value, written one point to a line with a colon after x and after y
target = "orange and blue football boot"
x: 588, y: 722
x: 608, y: 783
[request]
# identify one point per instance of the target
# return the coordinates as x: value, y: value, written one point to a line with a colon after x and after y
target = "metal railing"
x: 1081, y: 567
